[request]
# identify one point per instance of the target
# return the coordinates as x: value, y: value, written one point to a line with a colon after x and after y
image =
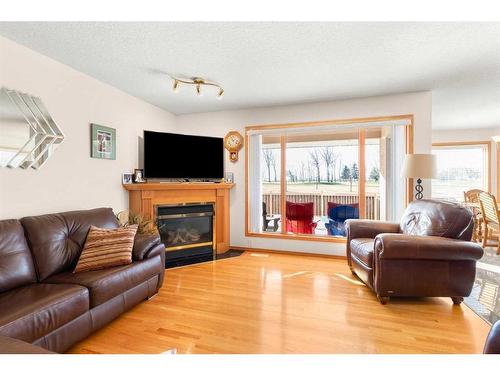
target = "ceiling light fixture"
x: 198, y: 83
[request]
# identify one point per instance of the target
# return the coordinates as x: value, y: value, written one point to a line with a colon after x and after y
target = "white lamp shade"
x: 419, y: 166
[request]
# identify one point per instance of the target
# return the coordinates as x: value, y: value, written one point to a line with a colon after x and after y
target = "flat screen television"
x: 179, y: 156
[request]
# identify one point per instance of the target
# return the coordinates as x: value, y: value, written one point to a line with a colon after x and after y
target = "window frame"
x: 463, y: 144
x: 361, y: 181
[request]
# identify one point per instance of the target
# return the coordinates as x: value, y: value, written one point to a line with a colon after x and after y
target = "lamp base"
x: 419, y: 188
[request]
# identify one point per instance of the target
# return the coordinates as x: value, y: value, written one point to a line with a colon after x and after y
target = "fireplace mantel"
x: 144, y: 197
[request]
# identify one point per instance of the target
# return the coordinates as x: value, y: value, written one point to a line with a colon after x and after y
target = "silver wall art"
x: 28, y: 134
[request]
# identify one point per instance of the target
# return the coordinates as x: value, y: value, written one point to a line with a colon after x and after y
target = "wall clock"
x: 233, y: 142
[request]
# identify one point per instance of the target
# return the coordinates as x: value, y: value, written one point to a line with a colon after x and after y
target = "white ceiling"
x: 266, y: 64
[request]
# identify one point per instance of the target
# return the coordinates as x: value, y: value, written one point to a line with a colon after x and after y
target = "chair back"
x: 489, y: 208
x: 428, y: 217
x: 472, y: 196
x: 342, y: 212
x: 299, y: 211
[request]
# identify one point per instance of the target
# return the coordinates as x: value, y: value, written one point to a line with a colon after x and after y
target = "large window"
x: 305, y: 180
x: 461, y: 167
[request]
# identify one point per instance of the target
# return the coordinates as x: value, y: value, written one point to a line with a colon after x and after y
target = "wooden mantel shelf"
x: 178, y: 185
x: 143, y: 198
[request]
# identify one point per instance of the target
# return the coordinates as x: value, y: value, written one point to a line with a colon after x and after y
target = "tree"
x: 336, y: 158
x: 375, y: 174
x: 315, y: 159
x: 327, y: 155
x: 355, y: 172
x: 346, y: 173
x: 274, y: 169
x: 269, y: 160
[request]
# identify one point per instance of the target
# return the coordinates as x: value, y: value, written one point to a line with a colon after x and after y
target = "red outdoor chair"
x: 299, y: 217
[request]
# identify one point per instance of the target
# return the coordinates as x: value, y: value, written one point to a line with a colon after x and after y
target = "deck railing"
x: 320, y: 200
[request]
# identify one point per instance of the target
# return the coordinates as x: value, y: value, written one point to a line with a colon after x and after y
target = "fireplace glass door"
x: 186, y: 226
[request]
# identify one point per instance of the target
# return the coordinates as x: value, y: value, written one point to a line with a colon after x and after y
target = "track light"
x: 198, y: 82
x: 221, y: 92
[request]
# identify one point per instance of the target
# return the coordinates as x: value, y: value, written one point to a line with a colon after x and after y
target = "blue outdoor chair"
x: 338, y: 214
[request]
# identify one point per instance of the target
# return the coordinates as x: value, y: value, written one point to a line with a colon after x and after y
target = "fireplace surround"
x: 145, y: 198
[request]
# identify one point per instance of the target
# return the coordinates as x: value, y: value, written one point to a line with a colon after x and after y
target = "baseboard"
x: 288, y: 252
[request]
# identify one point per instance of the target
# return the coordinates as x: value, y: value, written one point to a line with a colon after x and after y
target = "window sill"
x: 296, y: 237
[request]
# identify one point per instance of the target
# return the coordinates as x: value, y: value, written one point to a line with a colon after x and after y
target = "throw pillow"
x: 106, y: 248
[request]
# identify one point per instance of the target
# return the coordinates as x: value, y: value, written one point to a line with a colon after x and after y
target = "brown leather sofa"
x: 43, y: 303
x: 427, y: 254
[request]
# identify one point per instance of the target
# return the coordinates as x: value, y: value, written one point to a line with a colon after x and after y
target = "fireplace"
x: 187, y: 231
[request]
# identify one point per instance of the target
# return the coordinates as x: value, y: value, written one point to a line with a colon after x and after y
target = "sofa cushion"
x: 56, y: 240
x: 362, y: 248
x: 16, y: 263
x: 105, y: 248
x: 30, y: 312
x: 110, y: 282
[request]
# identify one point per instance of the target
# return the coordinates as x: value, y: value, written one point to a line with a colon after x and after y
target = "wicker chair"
x: 491, y: 218
x: 471, y: 198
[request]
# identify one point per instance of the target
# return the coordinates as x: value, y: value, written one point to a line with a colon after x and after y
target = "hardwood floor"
x: 276, y: 303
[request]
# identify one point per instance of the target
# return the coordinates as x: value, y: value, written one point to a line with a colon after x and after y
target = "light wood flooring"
x: 277, y: 303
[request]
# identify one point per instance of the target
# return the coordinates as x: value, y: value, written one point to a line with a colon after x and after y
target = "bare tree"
x: 316, y: 162
x: 274, y: 168
x: 336, y: 158
x: 327, y: 155
x: 302, y: 172
x: 269, y: 160
x: 309, y: 172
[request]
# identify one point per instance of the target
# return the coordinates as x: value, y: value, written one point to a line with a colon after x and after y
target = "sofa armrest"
x: 358, y: 228
x: 13, y: 346
x: 145, y: 246
x: 402, y: 246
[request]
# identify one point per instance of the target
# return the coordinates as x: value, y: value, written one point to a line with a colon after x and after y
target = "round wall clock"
x: 233, y: 142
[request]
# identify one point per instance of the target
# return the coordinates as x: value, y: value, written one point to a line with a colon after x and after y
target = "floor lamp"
x: 419, y: 166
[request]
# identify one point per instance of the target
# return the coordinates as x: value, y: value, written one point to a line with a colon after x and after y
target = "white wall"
x: 71, y: 179
x: 471, y: 135
x: 219, y: 123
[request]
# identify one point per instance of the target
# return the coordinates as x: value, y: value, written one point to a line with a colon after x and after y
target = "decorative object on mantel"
x: 229, y: 177
x: 127, y: 178
x: 28, y: 133
x: 233, y: 142
x: 419, y: 166
x: 144, y: 226
x: 198, y: 82
x: 102, y: 142
x: 139, y: 176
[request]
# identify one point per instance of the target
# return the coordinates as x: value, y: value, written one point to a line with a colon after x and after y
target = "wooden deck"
x: 276, y: 303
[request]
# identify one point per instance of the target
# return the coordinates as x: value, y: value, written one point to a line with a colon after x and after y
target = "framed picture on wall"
x: 102, y: 142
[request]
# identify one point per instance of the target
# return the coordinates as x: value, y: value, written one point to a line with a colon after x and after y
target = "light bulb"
x: 221, y: 92
x: 176, y: 86
x: 198, y: 89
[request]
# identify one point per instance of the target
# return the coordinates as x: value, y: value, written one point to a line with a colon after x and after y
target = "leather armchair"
x: 492, y: 345
x: 427, y: 254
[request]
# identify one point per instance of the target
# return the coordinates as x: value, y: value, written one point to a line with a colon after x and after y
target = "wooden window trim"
x: 473, y: 143
x: 361, y: 181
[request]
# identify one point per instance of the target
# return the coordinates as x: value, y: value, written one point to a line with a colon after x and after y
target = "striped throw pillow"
x: 106, y: 248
